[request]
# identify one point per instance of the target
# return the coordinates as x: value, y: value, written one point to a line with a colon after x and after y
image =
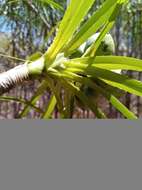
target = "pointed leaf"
x: 50, y: 108
x: 107, y: 62
x: 71, y: 20
x: 98, y: 19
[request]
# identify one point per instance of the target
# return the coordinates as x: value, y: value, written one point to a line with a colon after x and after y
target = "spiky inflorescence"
x: 12, y: 77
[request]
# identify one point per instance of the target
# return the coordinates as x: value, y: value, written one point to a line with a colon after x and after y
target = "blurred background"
x: 30, y: 26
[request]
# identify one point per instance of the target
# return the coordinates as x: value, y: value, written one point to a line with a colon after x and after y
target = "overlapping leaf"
x: 71, y: 20
x: 107, y: 62
x: 96, y: 21
x: 86, y: 100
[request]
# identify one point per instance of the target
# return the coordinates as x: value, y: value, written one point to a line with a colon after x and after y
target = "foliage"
x: 62, y: 74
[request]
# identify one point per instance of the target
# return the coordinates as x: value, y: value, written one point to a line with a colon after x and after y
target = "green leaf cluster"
x: 70, y: 79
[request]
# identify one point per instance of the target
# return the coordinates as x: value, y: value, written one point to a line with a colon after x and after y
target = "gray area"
x: 70, y: 155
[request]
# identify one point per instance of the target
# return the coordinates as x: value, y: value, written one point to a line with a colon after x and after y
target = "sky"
x: 3, y: 25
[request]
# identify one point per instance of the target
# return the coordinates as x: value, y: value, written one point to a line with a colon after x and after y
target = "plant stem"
x: 12, y: 77
x: 18, y: 74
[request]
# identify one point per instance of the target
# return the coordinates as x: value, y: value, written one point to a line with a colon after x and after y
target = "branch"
x: 12, y: 77
x: 18, y: 74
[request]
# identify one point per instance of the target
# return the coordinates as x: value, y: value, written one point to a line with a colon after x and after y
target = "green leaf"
x: 107, y: 94
x: 120, y: 81
x: 98, y: 19
x: 20, y: 100
x: 107, y: 62
x: 109, y: 24
x: 123, y: 109
x: 71, y: 20
x: 51, y: 105
x: 55, y: 87
x: 76, y: 91
x: 85, y: 99
x: 34, y: 56
x: 42, y: 87
x: 68, y: 103
x: 118, y: 62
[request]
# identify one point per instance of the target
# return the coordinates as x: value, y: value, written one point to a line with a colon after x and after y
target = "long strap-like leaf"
x: 51, y: 106
x: 120, y: 81
x: 107, y: 62
x: 98, y: 19
x: 111, y: 98
x: 71, y: 20
x: 92, y: 25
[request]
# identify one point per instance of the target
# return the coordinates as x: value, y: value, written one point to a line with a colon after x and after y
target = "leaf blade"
x: 71, y: 20
x: 98, y: 19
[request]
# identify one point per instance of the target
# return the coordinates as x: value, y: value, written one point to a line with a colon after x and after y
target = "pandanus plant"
x: 79, y: 65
